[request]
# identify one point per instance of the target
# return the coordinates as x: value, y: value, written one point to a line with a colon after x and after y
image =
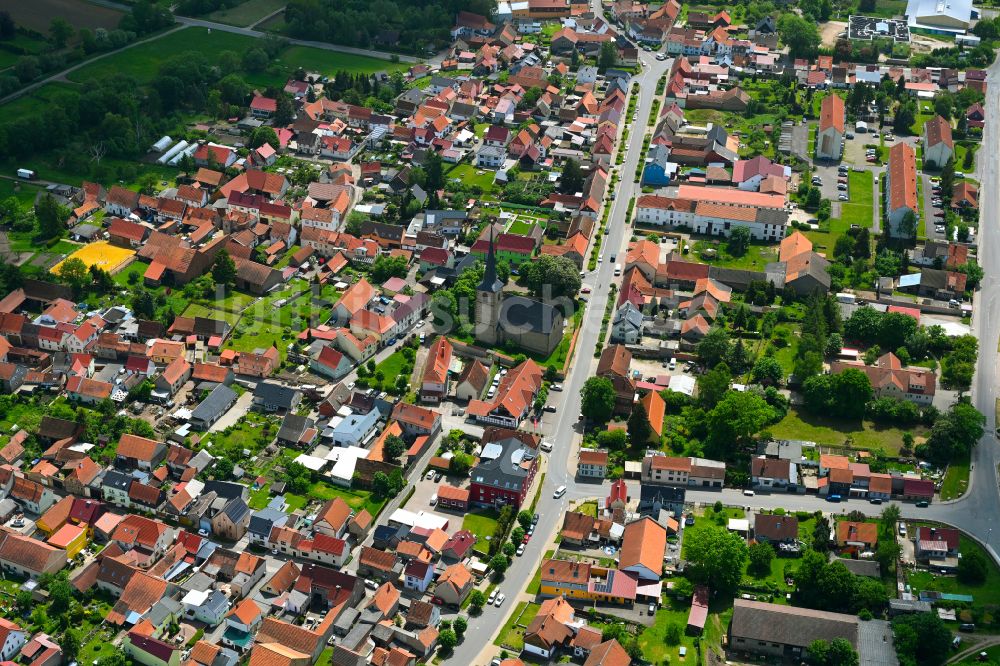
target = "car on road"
x: 748, y: 492
x: 429, y: 475
x: 585, y: 290
x: 526, y: 539
x: 923, y: 504
x: 842, y: 186
x: 661, y: 56
x: 500, y: 600
x: 520, y: 550
x: 875, y: 500
x: 350, y: 385
x: 493, y: 596
x: 437, y: 477
x: 551, y: 409
x: 833, y: 498
x: 939, y: 228
x: 556, y: 387
x: 534, y: 519
x: 843, y: 197
x: 559, y: 492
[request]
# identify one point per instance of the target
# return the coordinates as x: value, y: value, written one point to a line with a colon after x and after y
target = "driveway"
x: 235, y: 413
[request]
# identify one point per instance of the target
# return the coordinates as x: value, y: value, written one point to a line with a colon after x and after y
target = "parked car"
x: 500, y: 599
x: 520, y: 550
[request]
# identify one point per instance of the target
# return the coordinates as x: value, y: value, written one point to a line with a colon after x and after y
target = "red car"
x: 437, y: 601
x: 527, y: 538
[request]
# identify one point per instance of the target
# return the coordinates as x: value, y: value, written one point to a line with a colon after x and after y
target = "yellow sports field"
x: 102, y: 254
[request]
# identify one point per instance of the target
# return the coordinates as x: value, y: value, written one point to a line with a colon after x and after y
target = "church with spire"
x: 529, y: 324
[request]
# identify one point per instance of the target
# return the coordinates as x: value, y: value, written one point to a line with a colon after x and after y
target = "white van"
x: 546, y: 446
x: 618, y: 269
x: 434, y: 499
x: 560, y: 491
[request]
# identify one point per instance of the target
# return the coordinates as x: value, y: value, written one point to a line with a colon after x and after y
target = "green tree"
x: 714, y: 384
x: 74, y: 272
x: 716, y: 557
x: 262, y: 135
x: 60, y: 595
x: 385, y: 267
x: 60, y: 31
x: 571, y: 180
x: 921, y: 639
x: 905, y: 116
x: 714, y: 347
x: 888, y: 553
x: 477, y: 599
x: 838, y: 652
x: 499, y: 564
x: 733, y: 423
x: 70, y: 644
x: 801, y: 36
x: 972, y: 567
x: 739, y: 241
x: 639, y: 430
x: 448, y: 640
x: 761, y: 554
x: 767, y: 370
x: 608, y: 56
x: 460, y: 625
x: 598, y: 400
x: 255, y: 60
x: 550, y: 277
x: 51, y: 217
x: 460, y: 464
x: 393, y: 448
x: 524, y: 518
x: 224, y: 269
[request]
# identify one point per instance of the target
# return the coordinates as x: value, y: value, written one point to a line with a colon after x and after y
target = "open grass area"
x: 470, y: 175
x: 512, y: 634
x: 482, y: 524
x: 956, y: 479
x: 199, y: 310
x: 331, y: 62
x: 715, y: 252
x: 520, y: 227
x: 246, y: 13
x: 992, y: 657
x: 859, y: 209
x: 799, y: 424
x: 144, y: 61
x: 710, y: 520
x: 985, y: 593
x: 33, y: 103
x: 653, y: 642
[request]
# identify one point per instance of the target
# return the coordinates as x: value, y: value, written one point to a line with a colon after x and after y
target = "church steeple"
x: 490, y: 281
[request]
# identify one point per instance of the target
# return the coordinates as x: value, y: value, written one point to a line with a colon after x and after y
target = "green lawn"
x: 199, y: 310
x: 859, y: 209
x: 992, y: 657
x: 33, y: 103
x: 759, y: 255
x: 246, y: 13
x: 331, y: 62
x: 482, y: 524
x: 144, y: 61
x: 512, y: 634
x: 653, y: 641
x: 798, y: 424
x: 986, y: 593
x: 469, y: 175
x: 520, y: 227
x: 956, y: 479
x: 24, y: 192
x: 710, y: 520
x: 961, y: 148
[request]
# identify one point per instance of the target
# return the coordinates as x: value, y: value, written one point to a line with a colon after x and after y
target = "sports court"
x: 102, y: 254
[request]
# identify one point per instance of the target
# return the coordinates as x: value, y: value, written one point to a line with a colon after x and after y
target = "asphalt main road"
x: 975, y: 512
x: 566, y: 433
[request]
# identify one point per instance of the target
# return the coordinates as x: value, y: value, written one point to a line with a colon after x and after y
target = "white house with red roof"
x: 830, y: 139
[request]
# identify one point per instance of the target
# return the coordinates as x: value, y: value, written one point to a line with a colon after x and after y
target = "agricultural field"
x: 37, y: 15
x: 247, y: 13
x: 142, y: 62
